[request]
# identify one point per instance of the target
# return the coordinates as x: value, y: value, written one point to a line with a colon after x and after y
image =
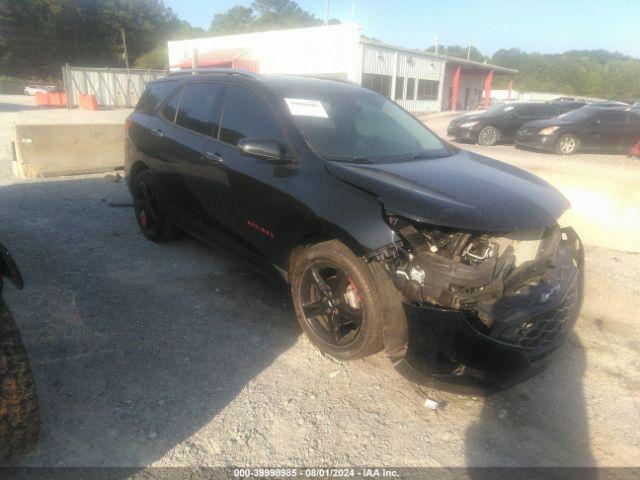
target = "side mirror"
x: 268, y: 149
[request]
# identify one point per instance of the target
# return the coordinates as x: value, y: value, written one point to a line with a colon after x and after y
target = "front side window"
x: 246, y: 115
x: 199, y: 108
x: 360, y: 126
x: 612, y: 116
x: 171, y: 107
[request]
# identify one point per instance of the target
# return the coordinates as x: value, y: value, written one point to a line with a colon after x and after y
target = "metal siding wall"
x: 112, y: 87
x: 382, y: 61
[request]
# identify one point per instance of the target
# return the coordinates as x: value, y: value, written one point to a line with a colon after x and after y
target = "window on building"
x: 411, y: 89
x: 399, y: 88
x: 428, y: 89
x: 171, y: 107
x: 377, y: 83
x: 260, y: 124
x: 199, y: 108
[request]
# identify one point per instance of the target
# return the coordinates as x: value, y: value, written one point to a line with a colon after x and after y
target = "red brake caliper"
x: 143, y: 218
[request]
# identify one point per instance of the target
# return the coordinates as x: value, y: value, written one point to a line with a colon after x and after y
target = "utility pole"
x: 353, y: 7
x: 326, y: 12
x: 437, y: 42
x: 469, y: 50
x: 124, y: 46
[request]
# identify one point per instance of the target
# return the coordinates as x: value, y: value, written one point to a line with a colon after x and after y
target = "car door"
x: 263, y: 211
x: 517, y: 117
x: 200, y: 189
x: 607, y: 130
x: 633, y: 130
x: 547, y: 111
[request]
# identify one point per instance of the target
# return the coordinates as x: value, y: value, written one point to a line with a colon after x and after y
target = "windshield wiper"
x: 349, y: 159
x: 425, y: 155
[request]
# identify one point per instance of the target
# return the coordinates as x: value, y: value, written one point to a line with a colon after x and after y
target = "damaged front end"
x: 482, y: 309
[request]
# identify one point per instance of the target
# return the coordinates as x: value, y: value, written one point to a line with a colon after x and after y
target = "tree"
x: 458, y: 52
x: 264, y: 15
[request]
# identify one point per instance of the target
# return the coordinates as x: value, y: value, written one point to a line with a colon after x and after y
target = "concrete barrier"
x: 56, y: 150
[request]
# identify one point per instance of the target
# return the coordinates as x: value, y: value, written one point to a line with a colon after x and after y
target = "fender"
x: 9, y: 269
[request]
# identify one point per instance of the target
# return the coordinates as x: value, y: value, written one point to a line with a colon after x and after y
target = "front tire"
x: 149, y: 209
x: 567, y: 144
x: 19, y: 409
x: 489, y: 136
x: 336, y: 301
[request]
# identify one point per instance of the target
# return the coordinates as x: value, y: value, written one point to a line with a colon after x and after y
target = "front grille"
x: 545, y: 330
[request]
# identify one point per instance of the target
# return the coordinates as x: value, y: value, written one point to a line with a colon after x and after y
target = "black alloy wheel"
x: 149, y: 209
x: 331, y: 304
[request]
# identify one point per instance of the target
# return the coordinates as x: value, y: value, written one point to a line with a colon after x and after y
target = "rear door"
x: 518, y: 117
x: 607, y: 130
x: 184, y: 140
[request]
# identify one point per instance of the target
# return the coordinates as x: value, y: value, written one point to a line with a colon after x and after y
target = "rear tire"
x: 354, y: 304
x: 567, y: 144
x: 489, y: 136
x: 19, y: 409
x: 149, y: 209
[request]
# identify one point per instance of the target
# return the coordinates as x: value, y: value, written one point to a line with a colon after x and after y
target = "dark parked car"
x: 588, y: 128
x: 19, y: 412
x: 500, y: 122
x: 388, y: 236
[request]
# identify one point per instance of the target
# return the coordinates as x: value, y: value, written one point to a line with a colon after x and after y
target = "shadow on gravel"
x: 135, y: 346
x: 541, y: 422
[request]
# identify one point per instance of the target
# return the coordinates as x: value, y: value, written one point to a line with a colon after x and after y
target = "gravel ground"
x: 177, y: 354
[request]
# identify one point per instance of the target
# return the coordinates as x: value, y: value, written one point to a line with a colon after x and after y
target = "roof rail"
x: 213, y: 70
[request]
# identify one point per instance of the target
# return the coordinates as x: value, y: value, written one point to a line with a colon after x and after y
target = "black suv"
x: 388, y: 236
x: 500, y: 122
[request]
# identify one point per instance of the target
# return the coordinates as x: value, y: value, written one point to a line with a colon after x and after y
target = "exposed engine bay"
x: 519, y: 288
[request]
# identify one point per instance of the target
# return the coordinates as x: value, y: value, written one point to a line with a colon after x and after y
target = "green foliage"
x: 459, y: 52
x: 264, y: 15
x: 37, y: 37
x: 594, y: 73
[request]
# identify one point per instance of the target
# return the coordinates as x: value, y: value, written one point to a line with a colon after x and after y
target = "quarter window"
x: 246, y: 115
x: 171, y: 107
x: 199, y: 108
x: 154, y: 94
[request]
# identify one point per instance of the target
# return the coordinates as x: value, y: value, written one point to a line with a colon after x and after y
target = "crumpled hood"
x: 467, y: 118
x: 548, y: 122
x: 465, y: 191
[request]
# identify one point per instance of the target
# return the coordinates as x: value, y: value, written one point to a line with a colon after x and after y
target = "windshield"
x: 362, y: 127
x: 578, y: 115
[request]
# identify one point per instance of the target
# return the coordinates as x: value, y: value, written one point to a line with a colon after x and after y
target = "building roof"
x: 452, y: 60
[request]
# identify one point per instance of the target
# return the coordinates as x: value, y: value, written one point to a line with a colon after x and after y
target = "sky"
x: 543, y: 26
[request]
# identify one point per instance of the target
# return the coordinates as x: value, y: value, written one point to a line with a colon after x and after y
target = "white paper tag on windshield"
x: 306, y: 108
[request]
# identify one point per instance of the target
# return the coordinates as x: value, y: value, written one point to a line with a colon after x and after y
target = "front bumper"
x: 463, y: 134
x: 449, y: 348
x: 534, y: 141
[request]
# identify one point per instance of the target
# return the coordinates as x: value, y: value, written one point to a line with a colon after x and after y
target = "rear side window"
x: 527, y: 111
x: 547, y: 111
x: 171, y: 107
x: 199, y: 107
x: 246, y: 115
x: 154, y: 95
x: 613, y: 116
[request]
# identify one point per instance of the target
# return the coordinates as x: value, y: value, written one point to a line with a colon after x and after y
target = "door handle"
x: 156, y: 132
x: 214, y: 157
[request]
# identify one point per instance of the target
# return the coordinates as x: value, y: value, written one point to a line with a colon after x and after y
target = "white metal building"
x: 419, y: 81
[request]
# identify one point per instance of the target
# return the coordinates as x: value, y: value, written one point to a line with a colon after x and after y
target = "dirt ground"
x: 177, y: 354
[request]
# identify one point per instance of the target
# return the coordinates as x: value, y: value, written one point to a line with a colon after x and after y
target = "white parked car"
x: 33, y: 89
